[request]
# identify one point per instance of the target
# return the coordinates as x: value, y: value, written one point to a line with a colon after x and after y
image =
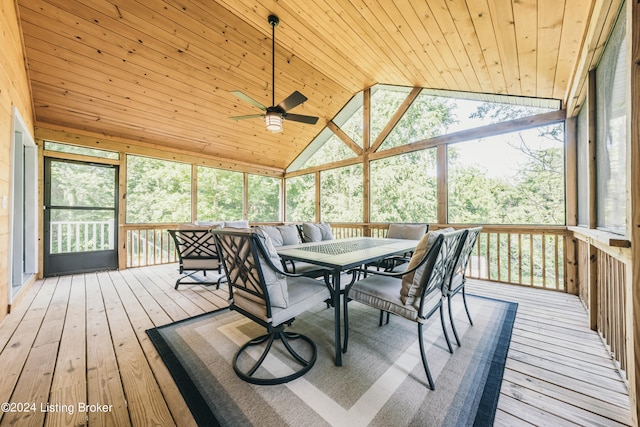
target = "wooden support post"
x: 571, y: 192
x: 633, y: 181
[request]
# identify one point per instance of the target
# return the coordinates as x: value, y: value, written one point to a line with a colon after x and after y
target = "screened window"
x: 219, y: 194
x: 341, y: 194
x: 433, y: 114
x: 330, y: 149
x: 264, y: 198
x: 385, y: 101
x: 427, y: 117
x: 515, y: 178
x: 611, y: 124
x: 351, y: 119
x: 404, y: 188
x: 301, y: 198
x: 158, y: 191
x: 85, y: 151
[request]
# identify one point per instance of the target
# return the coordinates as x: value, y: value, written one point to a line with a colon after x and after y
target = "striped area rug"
x: 381, y: 383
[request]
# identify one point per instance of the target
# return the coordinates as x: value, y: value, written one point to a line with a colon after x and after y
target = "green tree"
x: 158, y: 191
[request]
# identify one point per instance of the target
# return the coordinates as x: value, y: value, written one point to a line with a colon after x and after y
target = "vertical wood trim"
x: 318, y: 194
x: 122, y: 210
x: 283, y: 203
x: 40, y: 144
x: 366, y: 142
x: 632, y: 287
x: 442, y: 189
x: 591, y: 97
x: 571, y: 171
x: 245, y: 196
x: 194, y: 193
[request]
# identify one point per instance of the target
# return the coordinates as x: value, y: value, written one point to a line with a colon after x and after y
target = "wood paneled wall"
x: 14, y: 91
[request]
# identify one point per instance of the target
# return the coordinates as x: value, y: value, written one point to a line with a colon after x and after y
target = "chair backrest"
x: 441, y: 260
x: 408, y: 231
x: 196, y: 248
x: 255, y: 283
x: 465, y: 253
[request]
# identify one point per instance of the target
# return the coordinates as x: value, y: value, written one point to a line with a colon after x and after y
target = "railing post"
x: 593, y: 287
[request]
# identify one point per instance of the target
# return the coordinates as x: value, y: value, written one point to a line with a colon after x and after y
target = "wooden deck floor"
x: 80, y: 340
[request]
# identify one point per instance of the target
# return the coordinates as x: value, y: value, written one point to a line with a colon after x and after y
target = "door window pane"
x: 97, y: 189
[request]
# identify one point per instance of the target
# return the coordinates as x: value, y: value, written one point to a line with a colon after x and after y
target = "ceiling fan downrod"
x: 273, y: 21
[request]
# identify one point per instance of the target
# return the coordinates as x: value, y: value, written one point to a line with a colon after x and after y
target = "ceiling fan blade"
x: 248, y: 99
x: 300, y: 118
x: 250, y: 116
x: 292, y: 101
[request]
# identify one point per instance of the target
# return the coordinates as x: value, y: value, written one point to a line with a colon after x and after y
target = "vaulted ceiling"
x: 161, y: 72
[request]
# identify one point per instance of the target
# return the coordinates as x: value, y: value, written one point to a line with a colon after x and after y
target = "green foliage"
x: 341, y: 194
x: 332, y: 150
x: 157, y: 191
x: 264, y: 198
x: 533, y: 195
x: 427, y: 117
x: 97, y: 189
x: 219, y: 196
x: 301, y: 198
x: 404, y: 188
x: 384, y: 103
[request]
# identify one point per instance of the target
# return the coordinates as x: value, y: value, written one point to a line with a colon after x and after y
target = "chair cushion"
x: 210, y: 224
x: 316, y: 232
x: 407, y: 231
x: 281, y: 235
x: 304, y: 294
x: 236, y: 224
x: 383, y: 293
x: 411, y: 281
x: 275, y: 282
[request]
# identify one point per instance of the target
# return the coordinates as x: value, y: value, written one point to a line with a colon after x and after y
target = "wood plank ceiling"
x: 161, y: 72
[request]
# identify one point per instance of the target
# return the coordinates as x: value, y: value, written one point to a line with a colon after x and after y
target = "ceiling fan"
x: 274, y: 115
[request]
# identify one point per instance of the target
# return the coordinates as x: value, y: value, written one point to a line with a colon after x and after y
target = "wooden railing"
x: 80, y: 236
x: 148, y: 245
x: 604, y: 287
x: 529, y: 256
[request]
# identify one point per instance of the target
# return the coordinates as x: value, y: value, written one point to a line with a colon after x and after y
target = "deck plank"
x: 103, y: 377
x: 15, y: 354
x: 144, y: 398
x: 68, y: 386
x: 34, y: 383
x: 83, y: 339
x: 140, y: 321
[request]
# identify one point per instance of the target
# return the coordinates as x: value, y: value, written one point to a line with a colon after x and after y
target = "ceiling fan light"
x: 273, y: 121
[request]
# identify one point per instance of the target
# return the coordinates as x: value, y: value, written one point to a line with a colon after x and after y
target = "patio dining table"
x: 342, y: 255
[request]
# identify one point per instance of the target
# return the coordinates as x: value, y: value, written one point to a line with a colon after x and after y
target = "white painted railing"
x: 81, y: 236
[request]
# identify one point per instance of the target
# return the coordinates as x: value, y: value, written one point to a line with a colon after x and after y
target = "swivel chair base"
x: 267, y: 341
